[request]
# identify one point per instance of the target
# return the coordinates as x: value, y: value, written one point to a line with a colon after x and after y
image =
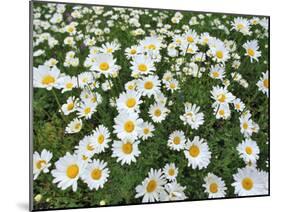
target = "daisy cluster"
x: 128, y: 83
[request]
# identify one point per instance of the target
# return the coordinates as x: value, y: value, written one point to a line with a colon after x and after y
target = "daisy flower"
x: 74, y: 126
x: 176, y: 140
x: 96, y: 174
x: 246, y: 124
x: 104, y: 64
x: 86, y: 109
x: 252, y: 50
x: 67, y: 172
x: 241, y: 25
x: 147, y: 130
x: 125, y: 151
x: 248, y: 181
x: 214, y: 186
x: 217, y: 72
x: 238, y: 105
x: 142, y: 65
x: 45, y: 77
x: 222, y: 111
x: 197, y: 152
x: 158, y: 112
x: 172, y: 85
x: 41, y: 162
x: 110, y: 48
x: 84, y: 79
x: 151, y: 44
x: 174, y: 192
x: 152, y: 187
x: 190, y: 37
x: 149, y: 86
x: 101, y: 138
x: 67, y: 83
x: 69, y: 106
x: 129, y: 101
x: 263, y: 83
x: 132, y: 51
x: 221, y: 95
x: 192, y: 116
x: 86, y: 147
x: 219, y: 51
x: 248, y: 151
x: 127, y: 125
x: 170, y: 171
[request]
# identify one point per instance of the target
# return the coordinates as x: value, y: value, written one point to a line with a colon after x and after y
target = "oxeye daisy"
x: 41, y: 162
x: 129, y: 101
x: 219, y: 51
x: 69, y: 106
x: 217, y: 72
x: 86, y: 147
x: 110, y: 48
x: 68, y: 170
x: 147, y: 130
x: 45, y: 77
x: 131, y: 85
x: 104, y: 64
x: 101, y: 138
x: 252, y: 50
x: 241, y: 25
x: 132, y: 51
x: 177, y: 140
x: 174, y: 192
x: 263, y: 83
x: 158, y: 112
x: 246, y: 124
x: 152, y: 187
x: 190, y: 37
x: 197, y: 153
x: 84, y: 79
x: 74, y: 126
x: 67, y: 83
x: 86, y: 109
x: 149, y: 86
x: 221, y: 95
x: 170, y: 171
x: 127, y: 125
x: 151, y: 44
x: 214, y: 186
x: 96, y: 174
x: 248, y: 181
x: 125, y: 151
x: 192, y: 116
x: 172, y: 85
x: 248, y: 151
x: 142, y: 65
x: 222, y: 111
x: 238, y: 105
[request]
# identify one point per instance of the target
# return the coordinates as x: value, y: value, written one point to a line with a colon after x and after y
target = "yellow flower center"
x: 142, y: 67
x: 90, y: 147
x: 87, y: 110
x: 216, y: 74
x: 177, y: 140
x: 109, y: 50
x: 157, y: 112
x: 104, y: 66
x: 127, y: 148
x: 251, y: 52
x: 219, y: 54
x: 240, y: 26
x: 247, y: 183
x: 172, y: 85
x: 249, y: 150
x: 265, y: 83
x: 94, y: 99
x: 70, y: 106
x: 146, y: 131
x: 129, y: 126
x: 221, y: 112
x: 48, y: 79
x: 194, y: 151
x: 171, y: 172
x: 245, y: 126
x: 221, y: 98
x: 190, y: 39
x: 131, y: 102
x: 72, y: 171
x: 213, y: 187
x: 151, y: 47
x: 151, y: 186
x: 40, y: 163
x: 101, y: 138
x: 133, y: 51
x: 77, y: 126
x: 69, y: 85
x: 148, y: 85
x: 84, y: 157
x: 238, y: 106
x: 96, y: 174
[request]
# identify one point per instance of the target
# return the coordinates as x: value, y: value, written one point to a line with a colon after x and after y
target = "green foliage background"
x: 222, y: 136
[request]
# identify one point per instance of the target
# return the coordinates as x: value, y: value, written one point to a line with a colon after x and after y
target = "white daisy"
x: 126, y: 151
x: 248, y: 151
x: 142, y: 65
x: 176, y: 140
x: 147, y: 130
x: 41, y: 162
x: 68, y: 170
x: 252, y: 50
x: 246, y: 124
x: 214, y: 186
x: 222, y: 111
x: 152, y: 187
x: 217, y: 72
x: 170, y: 171
x: 238, y: 105
x: 129, y: 101
x: 174, y: 192
x: 85, y: 148
x: 241, y: 25
x: 96, y: 174
x: 74, y: 126
x: 86, y: 109
x: 45, y: 77
x: 69, y: 106
x: 197, y: 153
x: 101, y: 138
x: 158, y: 112
x: 67, y: 83
x: 192, y: 116
x: 221, y: 95
x: 149, y: 86
x: 104, y: 64
x: 263, y: 83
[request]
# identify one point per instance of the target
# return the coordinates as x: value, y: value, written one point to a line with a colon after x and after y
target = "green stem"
x: 58, y: 103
